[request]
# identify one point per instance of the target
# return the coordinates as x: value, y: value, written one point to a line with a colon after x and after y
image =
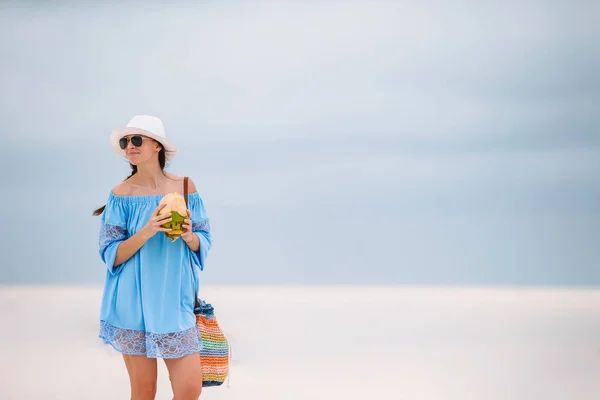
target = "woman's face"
x: 139, y: 148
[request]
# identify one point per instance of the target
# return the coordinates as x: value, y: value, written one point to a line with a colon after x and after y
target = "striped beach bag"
x: 216, y: 349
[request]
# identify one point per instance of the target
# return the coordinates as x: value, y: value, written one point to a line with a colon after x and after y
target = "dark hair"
x: 161, y: 161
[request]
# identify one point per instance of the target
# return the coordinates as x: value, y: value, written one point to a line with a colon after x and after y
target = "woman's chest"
x: 138, y: 217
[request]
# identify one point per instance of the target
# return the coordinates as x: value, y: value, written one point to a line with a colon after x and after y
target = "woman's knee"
x: 143, y: 389
x: 189, y: 389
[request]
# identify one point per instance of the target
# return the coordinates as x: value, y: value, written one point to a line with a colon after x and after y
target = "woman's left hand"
x: 187, y: 234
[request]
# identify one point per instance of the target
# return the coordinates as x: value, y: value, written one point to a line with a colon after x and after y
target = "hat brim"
x: 117, y: 134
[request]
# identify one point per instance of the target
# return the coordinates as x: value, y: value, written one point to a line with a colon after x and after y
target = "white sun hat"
x: 145, y: 125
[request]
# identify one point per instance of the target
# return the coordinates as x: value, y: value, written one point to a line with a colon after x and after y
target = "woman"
x: 147, y: 309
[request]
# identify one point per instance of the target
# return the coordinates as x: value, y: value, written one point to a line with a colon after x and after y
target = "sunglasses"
x: 135, y: 140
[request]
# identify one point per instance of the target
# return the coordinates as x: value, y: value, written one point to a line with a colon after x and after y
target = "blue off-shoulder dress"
x: 148, y: 301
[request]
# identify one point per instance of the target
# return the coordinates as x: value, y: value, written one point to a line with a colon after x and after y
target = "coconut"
x: 175, y: 205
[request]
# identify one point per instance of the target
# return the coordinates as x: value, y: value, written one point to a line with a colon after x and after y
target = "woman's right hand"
x: 155, y: 222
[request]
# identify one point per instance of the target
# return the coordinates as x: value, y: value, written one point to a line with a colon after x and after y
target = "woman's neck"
x: 150, y: 175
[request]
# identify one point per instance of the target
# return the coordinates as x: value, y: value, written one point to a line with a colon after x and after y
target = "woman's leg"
x: 142, y: 376
x: 186, y: 376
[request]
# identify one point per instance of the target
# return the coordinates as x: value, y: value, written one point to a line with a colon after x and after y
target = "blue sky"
x: 355, y: 142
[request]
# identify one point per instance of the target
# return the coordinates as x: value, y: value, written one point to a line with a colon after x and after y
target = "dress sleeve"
x: 113, y: 230
x: 201, y: 227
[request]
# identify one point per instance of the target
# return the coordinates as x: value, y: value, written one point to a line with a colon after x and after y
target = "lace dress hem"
x: 152, y: 345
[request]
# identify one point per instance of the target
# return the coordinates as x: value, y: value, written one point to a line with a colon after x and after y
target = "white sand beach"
x: 399, y: 343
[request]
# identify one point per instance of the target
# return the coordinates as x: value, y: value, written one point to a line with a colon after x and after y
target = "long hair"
x: 161, y: 161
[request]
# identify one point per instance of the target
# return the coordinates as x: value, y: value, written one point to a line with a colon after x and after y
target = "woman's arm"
x: 194, y: 243
x: 197, y: 228
x: 189, y: 237
x: 130, y: 246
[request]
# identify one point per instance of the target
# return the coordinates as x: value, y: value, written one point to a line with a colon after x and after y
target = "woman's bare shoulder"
x: 191, y: 185
x: 123, y: 189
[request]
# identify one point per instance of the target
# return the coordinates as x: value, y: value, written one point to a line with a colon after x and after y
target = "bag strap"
x: 185, y: 196
x: 185, y: 190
